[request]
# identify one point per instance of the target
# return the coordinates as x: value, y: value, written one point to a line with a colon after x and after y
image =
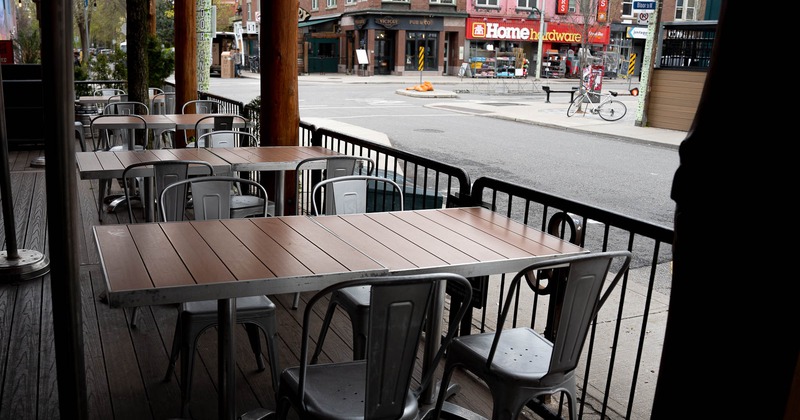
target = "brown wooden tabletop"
x: 104, y: 165
x: 470, y: 241
x: 158, y: 122
x: 188, y: 121
x: 158, y: 263
x: 271, y: 158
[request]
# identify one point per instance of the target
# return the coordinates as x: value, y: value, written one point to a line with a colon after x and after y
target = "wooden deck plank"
x: 21, y: 378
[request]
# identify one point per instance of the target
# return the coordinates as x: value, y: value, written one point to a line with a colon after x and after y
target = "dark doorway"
x: 384, y: 52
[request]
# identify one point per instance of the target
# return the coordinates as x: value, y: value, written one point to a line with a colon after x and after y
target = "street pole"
x: 86, y: 23
x: 539, y: 38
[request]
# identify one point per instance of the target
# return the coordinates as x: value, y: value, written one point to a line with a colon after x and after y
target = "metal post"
x: 541, y: 36
x: 86, y: 23
x: 542, y: 33
x: 15, y: 264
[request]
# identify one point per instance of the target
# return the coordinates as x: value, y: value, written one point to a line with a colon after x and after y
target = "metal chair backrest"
x: 221, y: 122
x: 200, y: 106
x: 211, y: 196
x: 226, y: 138
x: 126, y: 108
x: 349, y: 193
x: 163, y: 103
x: 164, y: 173
x: 119, y: 138
x: 581, y: 302
x: 335, y: 166
x: 399, y: 306
x: 108, y: 92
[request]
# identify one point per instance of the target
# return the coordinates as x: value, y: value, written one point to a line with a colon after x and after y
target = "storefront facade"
x: 501, y: 47
x: 384, y: 44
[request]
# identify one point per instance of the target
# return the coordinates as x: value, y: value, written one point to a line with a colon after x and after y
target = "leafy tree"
x: 106, y: 22
x: 165, y: 22
x: 225, y: 14
x: 28, y: 44
x: 161, y: 62
x: 100, y: 67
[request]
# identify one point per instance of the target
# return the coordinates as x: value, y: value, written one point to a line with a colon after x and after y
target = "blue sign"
x: 644, y: 5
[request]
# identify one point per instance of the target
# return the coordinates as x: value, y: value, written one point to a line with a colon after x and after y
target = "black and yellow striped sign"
x: 421, y: 57
x: 631, y: 64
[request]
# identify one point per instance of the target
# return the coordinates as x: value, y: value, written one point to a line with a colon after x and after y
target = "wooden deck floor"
x: 125, y: 366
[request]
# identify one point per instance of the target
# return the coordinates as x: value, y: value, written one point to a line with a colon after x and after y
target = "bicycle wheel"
x: 612, y: 110
x: 576, y: 105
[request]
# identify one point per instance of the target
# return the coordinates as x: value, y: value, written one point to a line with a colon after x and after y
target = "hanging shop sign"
x: 408, y: 23
x: 496, y: 29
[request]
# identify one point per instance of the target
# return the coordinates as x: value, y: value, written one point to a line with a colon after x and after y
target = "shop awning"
x: 316, y: 22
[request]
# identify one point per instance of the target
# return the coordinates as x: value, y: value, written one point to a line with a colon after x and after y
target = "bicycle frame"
x: 606, y: 107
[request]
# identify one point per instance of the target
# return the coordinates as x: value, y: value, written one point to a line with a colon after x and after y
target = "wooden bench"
x: 548, y: 91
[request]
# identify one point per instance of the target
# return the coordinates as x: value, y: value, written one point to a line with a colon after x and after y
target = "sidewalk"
x: 521, y: 100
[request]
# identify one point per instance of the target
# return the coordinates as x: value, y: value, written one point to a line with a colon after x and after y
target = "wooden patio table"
x: 111, y: 165
x: 273, y: 158
x: 173, y: 262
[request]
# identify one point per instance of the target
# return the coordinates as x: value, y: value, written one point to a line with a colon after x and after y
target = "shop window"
x: 627, y: 8
x: 684, y: 10
x: 487, y: 3
x: 417, y: 40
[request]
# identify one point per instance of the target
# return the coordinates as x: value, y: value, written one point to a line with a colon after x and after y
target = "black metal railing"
x: 426, y: 183
x: 620, y: 361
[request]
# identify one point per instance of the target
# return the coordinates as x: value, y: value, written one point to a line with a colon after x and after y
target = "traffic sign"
x: 643, y: 18
x: 644, y: 5
x: 421, y: 58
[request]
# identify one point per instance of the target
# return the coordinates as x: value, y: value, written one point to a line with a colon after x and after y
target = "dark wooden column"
x: 185, y: 54
x: 280, y: 112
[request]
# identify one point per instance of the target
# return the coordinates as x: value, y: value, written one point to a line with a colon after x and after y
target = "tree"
x: 225, y: 14
x: 106, y: 22
x: 28, y: 43
x: 165, y: 22
x: 138, y: 63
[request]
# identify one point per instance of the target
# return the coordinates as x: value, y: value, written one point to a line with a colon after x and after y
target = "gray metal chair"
x: 349, y: 196
x: 126, y: 108
x: 210, y: 197
x: 519, y: 364
x: 335, y: 166
x: 164, y: 103
x: 108, y: 92
x: 242, y: 205
x: 221, y: 122
x: 198, y: 106
x: 164, y: 172
x: 378, y: 387
x: 133, y: 137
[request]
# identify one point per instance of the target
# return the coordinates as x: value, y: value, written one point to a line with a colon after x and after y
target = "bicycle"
x: 607, y: 108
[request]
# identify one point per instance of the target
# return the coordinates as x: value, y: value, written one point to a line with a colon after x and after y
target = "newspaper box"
x: 593, y: 80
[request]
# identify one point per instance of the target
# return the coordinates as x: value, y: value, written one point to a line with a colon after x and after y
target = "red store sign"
x: 496, y: 29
